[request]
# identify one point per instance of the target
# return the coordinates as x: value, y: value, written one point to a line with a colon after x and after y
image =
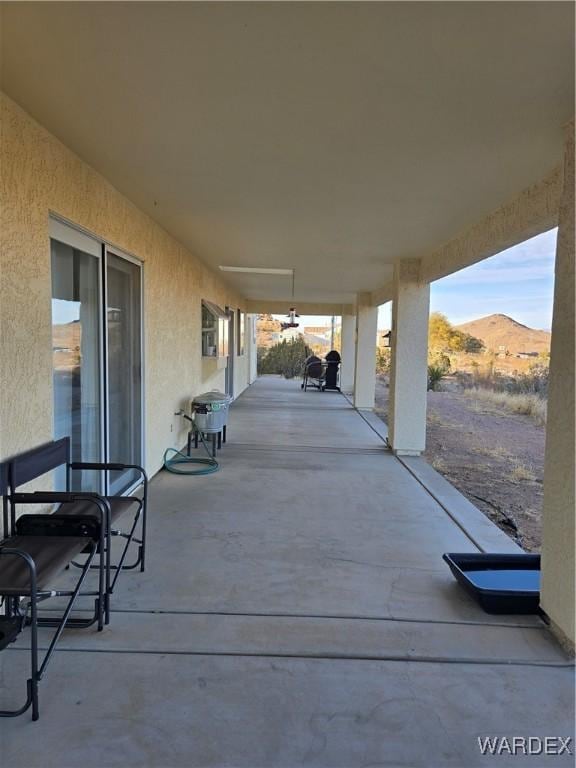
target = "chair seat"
x: 118, y: 506
x: 51, y: 554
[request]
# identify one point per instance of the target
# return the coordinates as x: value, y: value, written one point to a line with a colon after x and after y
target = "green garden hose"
x: 176, y: 462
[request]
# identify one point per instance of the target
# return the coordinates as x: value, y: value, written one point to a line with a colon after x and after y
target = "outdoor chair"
x: 314, y: 374
x: 32, y: 558
x: 36, y: 462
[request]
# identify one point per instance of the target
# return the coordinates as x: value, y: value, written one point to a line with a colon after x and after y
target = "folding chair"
x: 31, y: 560
x: 36, y: 462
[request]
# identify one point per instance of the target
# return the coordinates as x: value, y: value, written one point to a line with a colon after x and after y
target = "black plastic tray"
x: 510, y: 594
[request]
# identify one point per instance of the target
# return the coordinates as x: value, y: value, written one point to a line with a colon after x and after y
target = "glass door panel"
x: 124, y: 374
x: 76, y: 350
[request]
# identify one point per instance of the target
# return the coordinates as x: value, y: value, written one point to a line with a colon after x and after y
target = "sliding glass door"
x: 124, y: 392
x: 77, y: 350
x: 97, y: 356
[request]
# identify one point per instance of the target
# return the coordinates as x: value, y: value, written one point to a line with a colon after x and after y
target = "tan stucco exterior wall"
x: 39, y: 176
x: 558, y: 539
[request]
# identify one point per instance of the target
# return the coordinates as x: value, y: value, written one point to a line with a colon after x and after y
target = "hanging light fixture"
x: 292, y: 315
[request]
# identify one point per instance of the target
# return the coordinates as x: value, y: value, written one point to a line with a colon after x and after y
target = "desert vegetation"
x: 475, y: 371
x: 486, y: 417
x: 285, y: 358
x: 526, y: 404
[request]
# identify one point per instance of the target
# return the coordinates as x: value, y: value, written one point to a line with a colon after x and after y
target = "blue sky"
x: 518, y: 282
x: 65, y: 311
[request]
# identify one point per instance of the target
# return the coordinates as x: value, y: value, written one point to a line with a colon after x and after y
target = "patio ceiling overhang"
x: 328, y: 138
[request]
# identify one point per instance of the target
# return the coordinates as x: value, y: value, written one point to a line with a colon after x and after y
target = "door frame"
x: 108, y: 248
x: 229, y: 376
x: 60, y: 228
x: 64, y: 232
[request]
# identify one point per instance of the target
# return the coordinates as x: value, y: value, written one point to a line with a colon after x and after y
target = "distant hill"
x: 497, y: 331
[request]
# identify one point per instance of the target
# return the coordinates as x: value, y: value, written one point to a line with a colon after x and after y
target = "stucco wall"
x: 408, y: 369
x: 39, y: 175
x: 558, y: 585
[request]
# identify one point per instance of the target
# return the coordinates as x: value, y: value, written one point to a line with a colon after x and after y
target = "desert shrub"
x: 285, y: 358
x: 383, y: 355
x: 435, y: 375
x: 440, y: 360
x: 443, y: 337
x: 534, y: 381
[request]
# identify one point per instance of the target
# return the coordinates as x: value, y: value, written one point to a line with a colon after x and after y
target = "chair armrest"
x: 51, y: 497
x: 108, y: 465
x: 42, y: 497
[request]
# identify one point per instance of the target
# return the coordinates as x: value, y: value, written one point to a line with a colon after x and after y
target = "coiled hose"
x: 175, y: 461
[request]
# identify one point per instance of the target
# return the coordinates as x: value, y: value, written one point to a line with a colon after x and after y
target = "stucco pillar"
x: 558, y: 546
x: 348, y: 353
x: 365, y: 361
x: 250, y: 342
x: 409, y: 368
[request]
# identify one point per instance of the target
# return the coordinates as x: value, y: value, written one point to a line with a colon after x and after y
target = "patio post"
x: 348, y: 353
x: 557, y: 589
x: 365, y: 361
x: 408, y: 370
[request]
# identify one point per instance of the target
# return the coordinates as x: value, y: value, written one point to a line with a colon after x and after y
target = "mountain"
x: 497, y: 331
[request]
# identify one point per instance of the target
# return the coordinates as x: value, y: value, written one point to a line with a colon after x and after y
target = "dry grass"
x: 520, y: 473
x: 525, y: 404
x: 493, y: 451
x: 439, y: 465
x: 433, y: 418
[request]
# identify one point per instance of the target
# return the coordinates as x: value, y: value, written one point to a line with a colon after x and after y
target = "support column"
x: 558, y: 550
x: 409, y: 363
x: 348, y: 353
x: 252, y: 351
x: 365, y: 362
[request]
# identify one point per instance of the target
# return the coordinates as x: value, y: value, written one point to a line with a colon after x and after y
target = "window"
x: 241, y: 331
x: 214, y: 331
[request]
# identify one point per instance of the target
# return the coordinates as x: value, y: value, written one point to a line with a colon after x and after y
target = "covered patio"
x: 170, y: 171
x: 295, y: 610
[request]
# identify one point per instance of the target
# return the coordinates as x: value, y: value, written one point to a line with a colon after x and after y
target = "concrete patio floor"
x: 296, y: 611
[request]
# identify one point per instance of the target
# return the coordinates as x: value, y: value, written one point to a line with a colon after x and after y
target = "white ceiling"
x: 327, y: 137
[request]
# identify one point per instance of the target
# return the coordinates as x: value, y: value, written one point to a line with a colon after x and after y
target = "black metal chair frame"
x: 35, y: 463
x: 317, y: 382
x: 194, y: 435
x: 18, y: 613
x: 141, y: 506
